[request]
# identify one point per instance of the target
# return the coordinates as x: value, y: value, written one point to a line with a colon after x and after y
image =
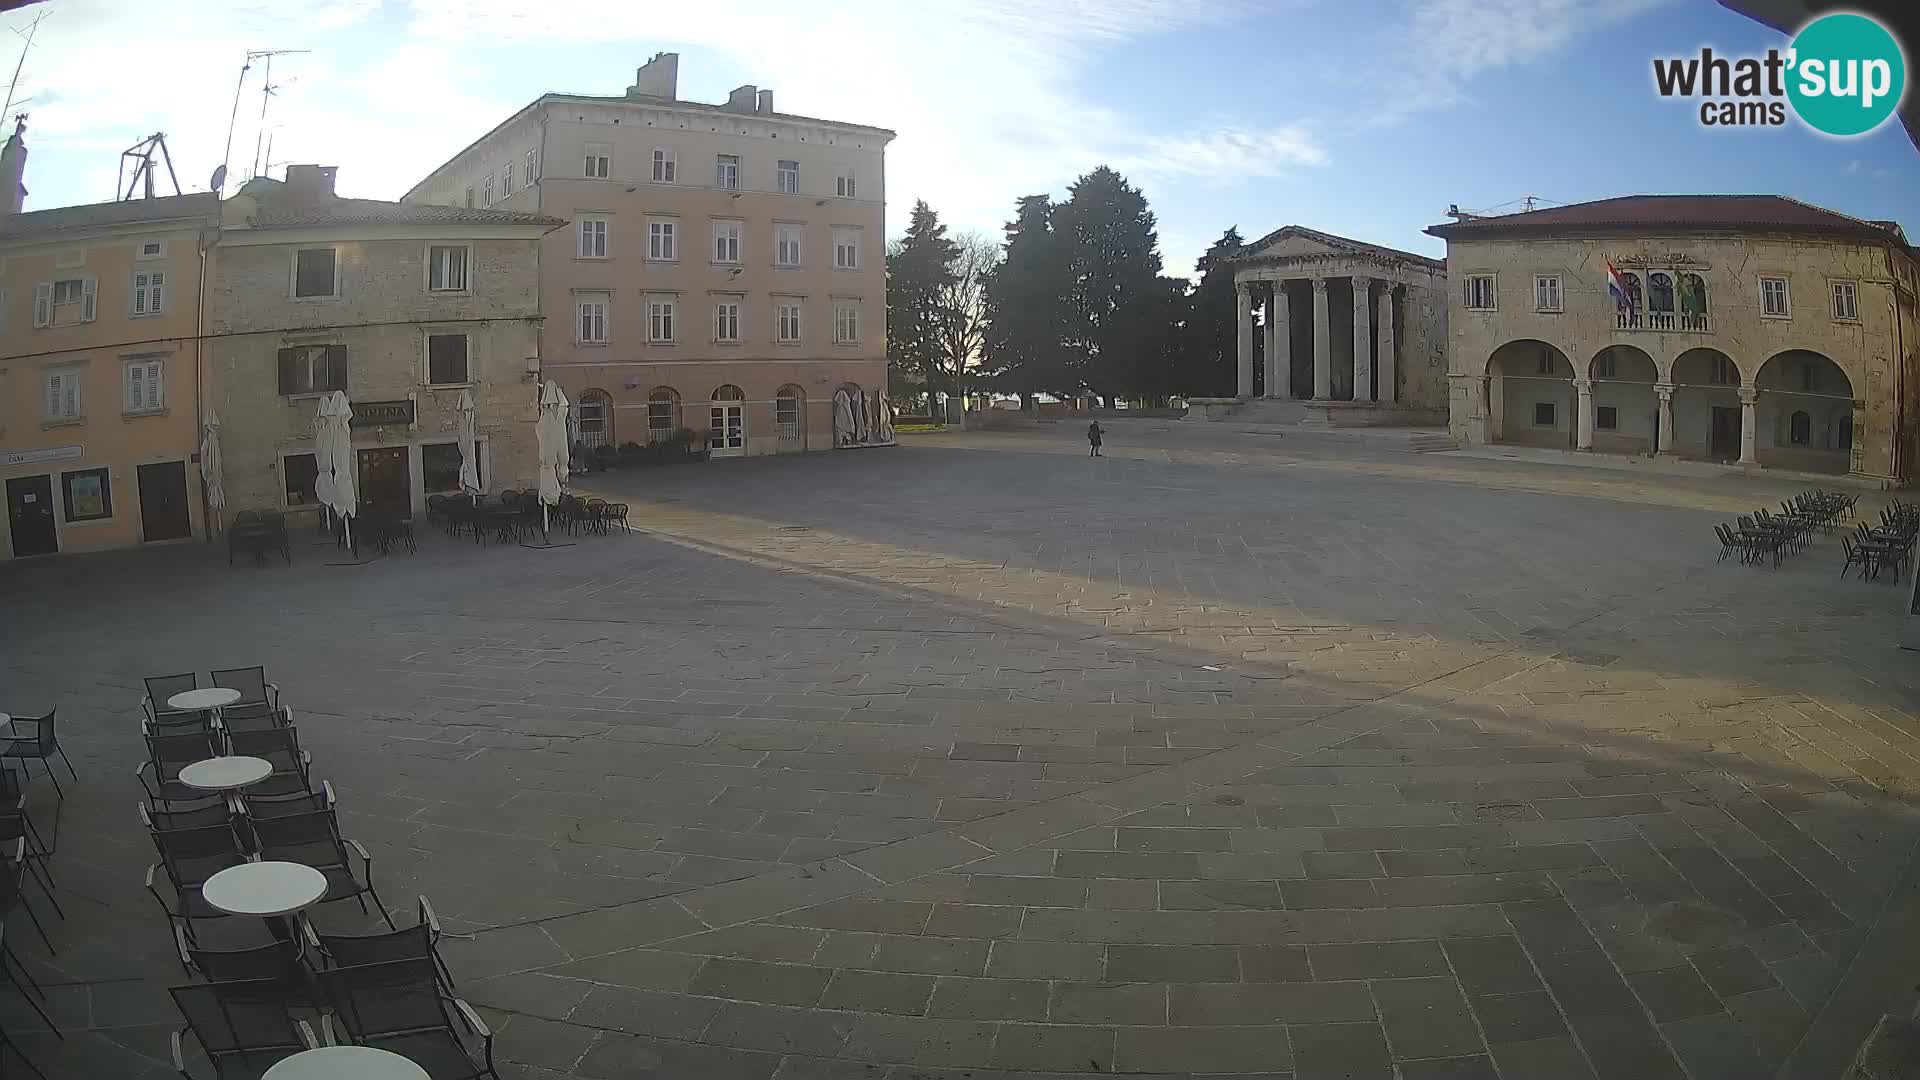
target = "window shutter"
x: 88, y: 294
x: 156, y: 283
x: 154, y: 384
x: 287, y: 380
x: 136, y: 387
x: 43, y: 303
x: 336, y: 367
x: 53, y: 394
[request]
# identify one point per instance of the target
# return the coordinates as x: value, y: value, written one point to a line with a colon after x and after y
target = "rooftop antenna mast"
x: 22, y: 62
x: 266, y: 94
x: 142, y: 154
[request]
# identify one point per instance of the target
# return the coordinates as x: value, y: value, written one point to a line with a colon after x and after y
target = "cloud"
x: 1446, y: 43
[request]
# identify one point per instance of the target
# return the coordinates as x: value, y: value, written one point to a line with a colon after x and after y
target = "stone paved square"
x: 1226, y: 754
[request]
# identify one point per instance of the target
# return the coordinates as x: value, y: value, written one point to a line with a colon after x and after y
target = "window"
x: 63, y: 394
x: 469, y: 198
x: 149, y: 292
x: 663, y: 165
x: 297, y: 474
x: 726, y: 172
x: 315, y: 273
x: 88, y: 494
x: 506, y: 179
x: 447, y: 359
x: 786, y: 322
x: 64, y: 302
x: 786, y: 413
x: 146, y: 386
x: 593, y: 319
x: 533, y: 160
x: 1480, y: 296
x: 593, y: 238
x: 1544, y: 414
x: 1773, y: 297
x: 660, y: 241
x: 1845, y: 302
x: 486, y: 192
x: 1603, y: 366
x: 1606, y: 418
x: 447, y: 268
x: 726, y: 321
x: 661, y: 407
x: 440, y: 467
x: 846, y: 324
x: 312, y: 369
x: 152, y: 249
x: 1809, y: 381
x: 846, y: 249
x: 786, y: 177
x: 1724, y: 373
x: 786, y: 245
x: 660, y: 321
x: 1543, y: 364
x: 594, y: 412
x: 1546, y: 293
x: 1799, y: 429
x: 843, y: 185
x: 726, y: 241
x: 1660, y: 293
x: 599, y: 164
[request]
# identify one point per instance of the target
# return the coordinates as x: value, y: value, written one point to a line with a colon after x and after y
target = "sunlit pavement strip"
x: 987, y: 758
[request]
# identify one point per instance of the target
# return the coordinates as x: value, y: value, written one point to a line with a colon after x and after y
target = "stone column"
x: 1322, y: 361
x: 1749, y: 397
x: 1243, y: 314
x: 1279, y: 342
x: 1388, y: 364
x: 1362, y: 339
x: 1583, y: 411
x: 1664, y: 392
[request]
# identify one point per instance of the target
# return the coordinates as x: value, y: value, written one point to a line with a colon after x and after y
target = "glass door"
x: 728, y: 435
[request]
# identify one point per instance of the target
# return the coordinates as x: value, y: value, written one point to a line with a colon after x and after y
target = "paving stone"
x: 1274, y: 963
x: 1479, y: 1067
x: 1212, y: 1049
x: 878, y: 991
x: 1426, y: 1018
x: 1557, y: 1057
x: 1197, y: 1004
x: 1714, y: 1047
x: 1378, y: 960
x: 1625, y: 1046
x: 1510, y: 1018
x: 646, y: 1012
x: 920, y: 1040
x: 931, y: 956
x: 1108, y: 1003
x: 1046, y: 960
x: 1069, y: 1048
x: 990, y: 999
x: 1345, y: 1051
x: 1172, y: 963
x: 780, y: 1029
x: 750, y: 980
x: 1674, y: 993
x: 1731, y: 971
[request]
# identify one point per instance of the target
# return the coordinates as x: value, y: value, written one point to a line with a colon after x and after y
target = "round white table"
x: 342, y: 1062
x: 264, y: 889
x: 212, y: 697
x: 226, y: 773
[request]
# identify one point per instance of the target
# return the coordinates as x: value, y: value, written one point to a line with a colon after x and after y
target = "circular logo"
x: 1846, y: 74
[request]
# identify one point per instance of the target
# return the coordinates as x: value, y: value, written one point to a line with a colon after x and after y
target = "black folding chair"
x: 243, y: 1027
x: 12, y: 880
x: 257, y: 695
x: 279, y: 747
x: 189, y: 857
x: 8, y: 1046
x: 401, y: 1007
x: 421, y: 941
x: 159, y: 775
x: 162, y: 687
x: 313, y: 839
x: 41, y: 745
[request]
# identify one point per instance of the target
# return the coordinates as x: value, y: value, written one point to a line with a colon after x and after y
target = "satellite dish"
x: 219, y: 179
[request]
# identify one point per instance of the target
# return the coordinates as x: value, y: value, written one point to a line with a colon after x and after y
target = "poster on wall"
x: 86, y: 497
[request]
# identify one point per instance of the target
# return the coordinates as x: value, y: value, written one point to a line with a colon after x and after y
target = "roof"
x: 650, y: 102
x: 1249, y: 252
x: 275, y: 210
x: 170, y: 208
x: 1744, y: 213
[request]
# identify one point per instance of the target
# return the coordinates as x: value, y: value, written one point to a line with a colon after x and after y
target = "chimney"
x: 13, y: 168
x: 742, y: 99
x: 659, y: 78
x: 766, y: 101
x: 309, y: 184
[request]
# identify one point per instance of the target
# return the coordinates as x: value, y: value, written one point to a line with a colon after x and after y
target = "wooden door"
x: 1724, y: 439
x: 163, y: 501
x: 386, y: 482
x: 30, y: 515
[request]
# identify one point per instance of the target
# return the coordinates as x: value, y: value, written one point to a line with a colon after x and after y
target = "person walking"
x: 1093, y: 439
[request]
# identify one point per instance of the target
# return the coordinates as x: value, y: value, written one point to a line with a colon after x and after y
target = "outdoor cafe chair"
x: 400, y: 1006
x: 8, y: 1046
x: 13, y: 892
x: 280, y: 748
x: 243, y: 1027
x: 188, y: 857
x: 299, y: 802
x: 257, y: 695
x: 16, y: 973
x: 167, y: 754
x: 162, y: 687
x: 39, y: 743
x: 421, y: 941
x: 278, y: 959
x: 313, y: 839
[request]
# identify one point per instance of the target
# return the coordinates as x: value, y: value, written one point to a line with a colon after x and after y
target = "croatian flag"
x: 1617, y: 285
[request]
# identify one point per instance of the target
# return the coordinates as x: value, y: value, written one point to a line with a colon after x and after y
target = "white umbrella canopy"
x: 551, y: 431
x: 346, y: 487
x: 323, y: 433
x: 469, y: 445
x: 212, y: 480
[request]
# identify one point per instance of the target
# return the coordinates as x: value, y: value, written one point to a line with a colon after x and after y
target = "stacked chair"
x: 1888, y: 545
x: 1765, y: 535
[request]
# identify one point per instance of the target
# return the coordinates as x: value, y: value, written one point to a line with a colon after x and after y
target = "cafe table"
x: 346, y: 1063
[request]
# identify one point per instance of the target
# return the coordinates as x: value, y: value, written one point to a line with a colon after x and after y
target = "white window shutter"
x: 156, y: 284
x: 54, y: 394
x: 88, y: 294
x: 43, y: 303
x: 136, y: 387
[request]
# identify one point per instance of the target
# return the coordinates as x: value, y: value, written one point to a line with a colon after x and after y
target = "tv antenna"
x: 22, y: 62
x: 142, y: 154
x: 226, y: 156
x: 267, y: 88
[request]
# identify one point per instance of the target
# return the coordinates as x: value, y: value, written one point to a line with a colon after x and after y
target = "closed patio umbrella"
x: 551, y: 432
x: 469, y: 445
x: 346, y: 488
x: 212, y: 482
x: 323, y: 455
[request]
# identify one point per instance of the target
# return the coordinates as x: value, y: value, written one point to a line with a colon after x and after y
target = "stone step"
x: 1428, y: 444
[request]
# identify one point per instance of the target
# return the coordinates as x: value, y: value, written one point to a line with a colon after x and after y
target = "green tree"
x: 919, y: 271
x: 1208, y: 356
x: 1115, y: 307
x: 1025, y: 303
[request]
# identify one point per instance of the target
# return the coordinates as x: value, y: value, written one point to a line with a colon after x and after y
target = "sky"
x: 1366, y: 118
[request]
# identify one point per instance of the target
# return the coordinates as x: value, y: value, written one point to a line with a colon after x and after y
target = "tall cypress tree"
x: 1208, y: 360
x: 1115, y: 309
x: 918, y: 273
x: 1025, y: 299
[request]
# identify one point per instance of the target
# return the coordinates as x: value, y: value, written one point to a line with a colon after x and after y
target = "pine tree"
x: 1025, y: 298
x: 1208, y: 359
x: 918, y: 272
x: 1115, y: 304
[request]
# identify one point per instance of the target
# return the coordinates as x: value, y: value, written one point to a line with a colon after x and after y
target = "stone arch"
x: 727, y: 422
x: 790, y: 418
x: 593, y: 418
x: 1804, y: 413
x: 1626, y: 411
x: 1531, y: 399
x: 1707, y: 413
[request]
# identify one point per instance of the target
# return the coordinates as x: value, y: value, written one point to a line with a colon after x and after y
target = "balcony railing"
x: 1662, y: 322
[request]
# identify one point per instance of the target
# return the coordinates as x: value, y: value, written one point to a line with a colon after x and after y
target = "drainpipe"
x: 1899, y: 373
x: 199, y: 378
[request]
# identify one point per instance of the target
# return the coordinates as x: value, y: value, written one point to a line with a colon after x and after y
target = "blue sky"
x: 1365, y: 119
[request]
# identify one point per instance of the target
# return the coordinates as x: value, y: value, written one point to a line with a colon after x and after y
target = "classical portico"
x: 1325, y: 319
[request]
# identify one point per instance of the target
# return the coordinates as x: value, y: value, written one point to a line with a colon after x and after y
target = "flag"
x: 1617, y: 286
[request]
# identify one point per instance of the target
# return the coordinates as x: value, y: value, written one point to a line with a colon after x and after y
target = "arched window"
x: 595, y: 412
x: 789, y: 412
x: 1693, y: 294
x: 663, y: 413
x: 1660, y: 288
x: 729, y: 392
x: 1844, y: 440
x: 1633, y: 290
x: 727, y: 428
x: 1800, y: 428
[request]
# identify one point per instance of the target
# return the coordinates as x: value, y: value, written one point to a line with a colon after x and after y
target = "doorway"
x: 1723, y: 440
x: 163, y: 502
x: 729, y: 429
x: 386, y: 482
x: 30, y: 515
